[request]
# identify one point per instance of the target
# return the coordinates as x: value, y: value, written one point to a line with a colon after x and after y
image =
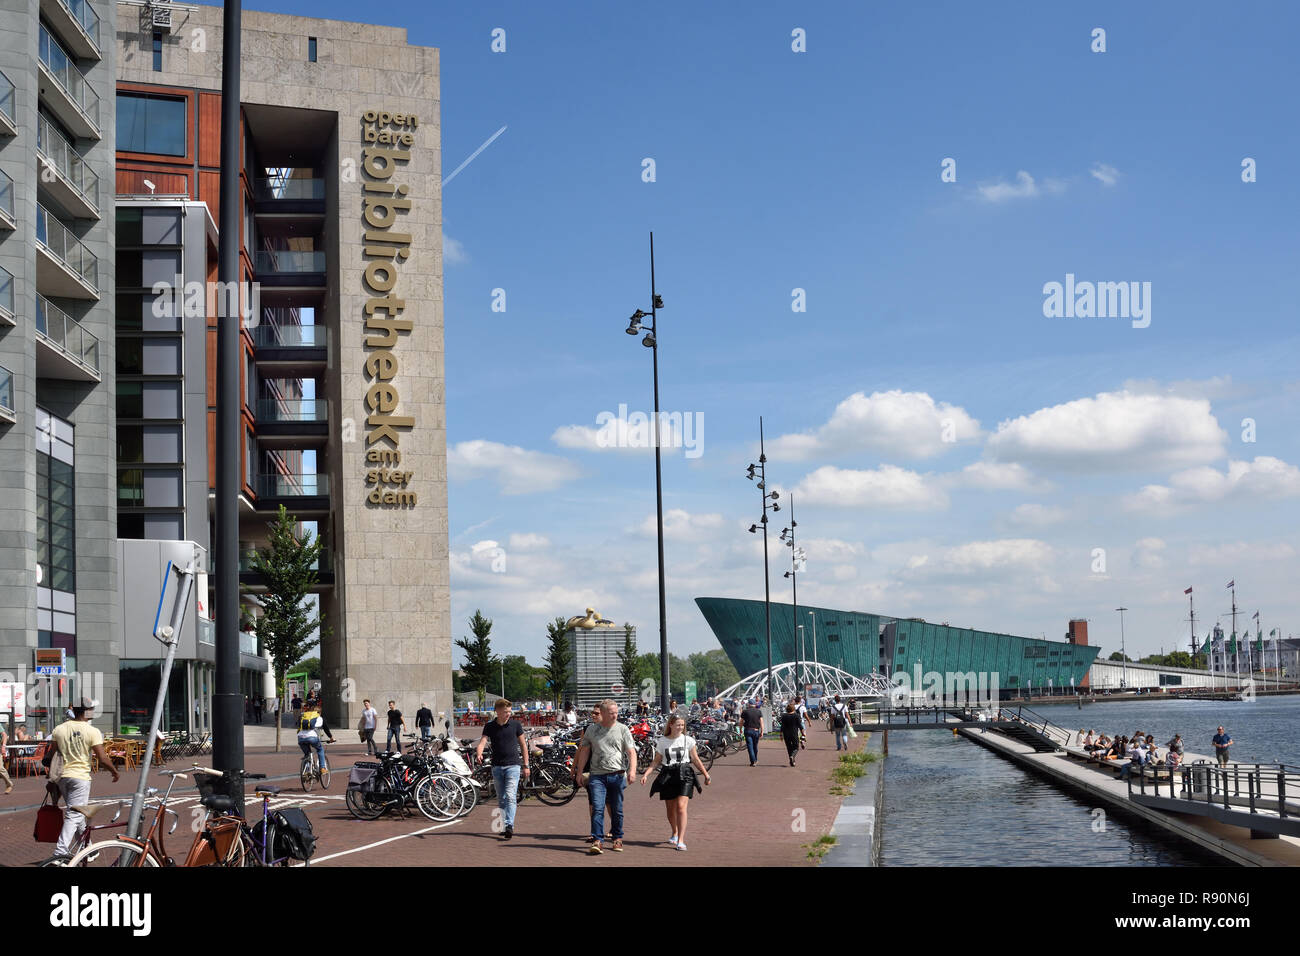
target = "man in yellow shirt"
x: 75, y: 740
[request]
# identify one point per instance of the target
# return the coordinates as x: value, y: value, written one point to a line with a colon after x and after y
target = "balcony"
x: 73, y: 183
x: 289, y: 196
x: 273, y: 261
x: 65, y: 91
x: 77, y: 24
x: 292, y: 422
x: 324, y: 569
x: 65, y: 348
x: 292, y: 350
x: 8, y: 117
x: 301, y: 493
x: 7, y: 220
x: 7, y: 413
x: 6, y: 297
x: 65, y: 268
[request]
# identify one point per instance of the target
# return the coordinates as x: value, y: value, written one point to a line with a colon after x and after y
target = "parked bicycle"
x: 85, y: 839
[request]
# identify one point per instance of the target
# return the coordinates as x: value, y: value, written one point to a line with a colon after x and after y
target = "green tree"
x: 480, y: 664
x: 628, y: 663
x: 558, y: 664
x: 1117, y: 656
x: 712, y: 671
x: 288, y: 621
x: 519, y: 678
x: 311, y: 665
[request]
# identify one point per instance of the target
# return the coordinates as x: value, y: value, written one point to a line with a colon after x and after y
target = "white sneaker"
x: 681, y: 846
x: 673, y: 839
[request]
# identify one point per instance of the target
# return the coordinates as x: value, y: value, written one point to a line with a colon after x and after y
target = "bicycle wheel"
x: 306, y: 773
x: 362, y: 808
x: 562, y: 788
x: 115, y: 853
x: 439, y: 798
x: 325, y: 778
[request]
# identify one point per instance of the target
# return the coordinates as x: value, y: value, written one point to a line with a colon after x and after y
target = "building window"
x: 151, y: 124
x: 157, y: 51
x: 311, y: 49
x: 56, y: 550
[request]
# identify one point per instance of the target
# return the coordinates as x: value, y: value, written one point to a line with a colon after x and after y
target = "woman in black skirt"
x: 790, y: 729
x: 677, y: 763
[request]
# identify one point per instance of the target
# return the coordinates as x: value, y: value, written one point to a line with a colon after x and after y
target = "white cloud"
x: 1220, y: 386
x: 885, y: 487
x: 681, y: 525
x: 516, y: 470
x: 998, y: 476
x: 1265, y: 478
x: 1024, y: 188
x: 1147, y: 553
x: 906, y: 424
x: 632, y: 431
x: 1036, y: 516
x: 1120, y: 431
x: 453, y: 251
x: 1107, y: 175
x: 529, y: 542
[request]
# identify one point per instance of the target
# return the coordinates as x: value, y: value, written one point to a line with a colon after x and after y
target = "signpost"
x: 51, y: 661
x: 691, y: 692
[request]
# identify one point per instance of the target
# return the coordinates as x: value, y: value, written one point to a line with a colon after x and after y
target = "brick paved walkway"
x: 750, y: 816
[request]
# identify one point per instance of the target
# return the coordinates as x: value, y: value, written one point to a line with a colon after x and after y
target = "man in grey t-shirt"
x: 609, y: 753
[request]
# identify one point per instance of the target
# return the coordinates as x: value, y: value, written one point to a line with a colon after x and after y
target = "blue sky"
x: 820, y: 171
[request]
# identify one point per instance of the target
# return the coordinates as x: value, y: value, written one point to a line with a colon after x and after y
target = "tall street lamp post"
x: 760, y: 471
x: 651, y: 341
x: 1122, y: 653
x: 796, y: 565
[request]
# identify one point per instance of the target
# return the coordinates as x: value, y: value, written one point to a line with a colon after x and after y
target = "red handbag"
x: 49, y: 822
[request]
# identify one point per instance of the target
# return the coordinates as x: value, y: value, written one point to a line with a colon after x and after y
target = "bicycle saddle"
x: 218, y: 802
x: 267, y: 789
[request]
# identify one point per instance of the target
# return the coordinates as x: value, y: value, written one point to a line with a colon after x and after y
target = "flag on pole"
x: 1255, y: 615
x: 1188, y: 591
x: 1232, y: 583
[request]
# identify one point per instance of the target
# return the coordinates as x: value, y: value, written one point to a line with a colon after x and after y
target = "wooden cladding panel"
x: 210, y: 190
x: 209, y: 129
x: 130, y: 182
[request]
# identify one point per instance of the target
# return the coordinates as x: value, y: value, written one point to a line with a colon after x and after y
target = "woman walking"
x: 791, y: 730
x: 677, y: 762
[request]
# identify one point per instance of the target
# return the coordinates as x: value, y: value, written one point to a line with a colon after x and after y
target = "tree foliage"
x: 288, y: 620
x: 480, y: 663
x: 628, y: 663
x: 558, y: 663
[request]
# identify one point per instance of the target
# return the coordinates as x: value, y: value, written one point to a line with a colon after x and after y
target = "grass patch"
x: 851, y: 766
x: 817, y: 849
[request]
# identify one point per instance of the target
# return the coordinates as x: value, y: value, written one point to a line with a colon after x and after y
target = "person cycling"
x: 310, y: 726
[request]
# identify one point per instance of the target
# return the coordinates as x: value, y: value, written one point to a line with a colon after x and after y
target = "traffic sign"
x: 616, y: 688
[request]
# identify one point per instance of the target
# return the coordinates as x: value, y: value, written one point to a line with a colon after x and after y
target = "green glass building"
x: 863, y: 643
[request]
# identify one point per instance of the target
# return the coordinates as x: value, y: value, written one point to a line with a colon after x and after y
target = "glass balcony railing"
x: 207, y: 631
x: 292, y: 410
x: 285, y: 260
x: 7, y: 99
x: 272, y: 334
x: 51, y: 144
x: 6, y: 390
x: 323, y: 563
x: 6, y: 291
x: 66, y: 74
x: 285, y: 188
x: 66, y: 247
x: 66, y: 334
x: 85, y: 15
x: 248, y: 643
x: 6, y: 195
x: 280, y: 485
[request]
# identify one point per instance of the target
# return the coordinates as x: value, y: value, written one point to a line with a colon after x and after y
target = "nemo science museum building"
x: 864, y: 643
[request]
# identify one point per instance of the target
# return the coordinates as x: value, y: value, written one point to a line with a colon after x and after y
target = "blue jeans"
x: 605, y: 788
x: 394, y: 739
x: 506, y: 780
x: 426, y: 732
x: 307, y: 747
x: 751, y: 744
x: 842, y: 739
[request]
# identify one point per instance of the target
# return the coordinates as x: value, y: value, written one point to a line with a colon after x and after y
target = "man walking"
x: 75, y: 740
x: 609, y: 752
x: 424, y: 720
x: 257, y: 709
x: 1222, y: 741
x: 369, y: 720
x: 840, y: 723
x: 509, y: 760
x: 751, y: 718
x: 395, y: 727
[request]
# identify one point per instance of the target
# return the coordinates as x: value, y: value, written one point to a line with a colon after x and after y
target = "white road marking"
x: 371, y: 846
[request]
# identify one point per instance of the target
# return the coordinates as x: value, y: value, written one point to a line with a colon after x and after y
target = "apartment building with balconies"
x: 58, y: 510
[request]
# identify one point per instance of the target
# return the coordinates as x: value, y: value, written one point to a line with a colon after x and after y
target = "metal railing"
x: 1251, y: 787
x: 6, y: 195
x: 65, y: 72
x: 51, y: 144
x: 6, y: 390
x: 287, y: 260
x: 279, y: 485
x: 271, y: 333
x: 67, y: 248
x: 7, y: 99
x: 85, y: 15
x: 66, y: 334
x: 292, y: 410
x: 323, y: 563
x: 1037, y: 723
x: 6, y: 291
x: 286, y: 188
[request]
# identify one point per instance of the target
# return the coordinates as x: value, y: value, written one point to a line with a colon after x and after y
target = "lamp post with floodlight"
x: 759, y: 471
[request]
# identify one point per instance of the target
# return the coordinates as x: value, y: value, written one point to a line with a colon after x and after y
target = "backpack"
x: 838, y: 721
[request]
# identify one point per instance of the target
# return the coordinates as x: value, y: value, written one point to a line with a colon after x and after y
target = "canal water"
x: 949, y: 802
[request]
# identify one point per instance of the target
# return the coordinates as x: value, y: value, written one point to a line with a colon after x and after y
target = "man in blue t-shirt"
x: 1222, y: 742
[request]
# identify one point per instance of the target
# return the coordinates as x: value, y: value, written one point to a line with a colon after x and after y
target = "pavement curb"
x: 857, y: 825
